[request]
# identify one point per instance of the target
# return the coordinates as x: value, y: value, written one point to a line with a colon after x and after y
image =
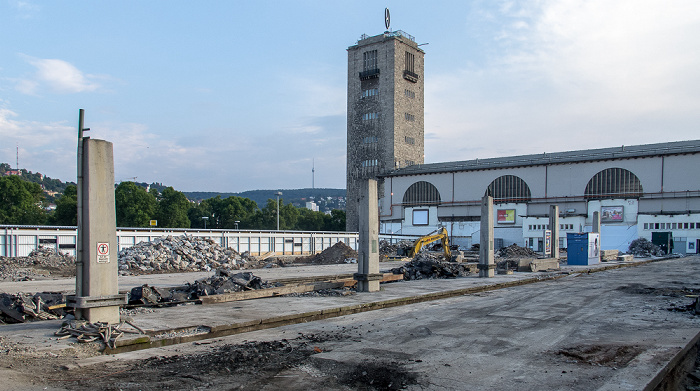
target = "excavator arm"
x: 441, y: 235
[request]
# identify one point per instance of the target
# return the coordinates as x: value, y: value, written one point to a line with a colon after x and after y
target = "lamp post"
x: 278, y: 194
x: 236, y: 223
x: 205, y: 218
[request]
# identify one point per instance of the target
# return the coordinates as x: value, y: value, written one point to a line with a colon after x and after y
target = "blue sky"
x: 231, y: 96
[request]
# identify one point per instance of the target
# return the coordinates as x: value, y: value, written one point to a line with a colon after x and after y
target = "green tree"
x: 310, y: 220
x: 20, y: 202
x: 336, y: 221
x: 223, y: 213
x: 172, y: 209
x: 66, y: 212
x: 135, y: 207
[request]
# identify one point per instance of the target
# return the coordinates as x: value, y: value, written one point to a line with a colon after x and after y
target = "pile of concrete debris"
x: 389, y: 249
x: 223, y: 281
x: 337, y: 253
x: 644, y: 248
x: 429, y: 266
x: 515, y: 251
x: 24, y: 307
x: 43, y: 262
x: 179, y: 254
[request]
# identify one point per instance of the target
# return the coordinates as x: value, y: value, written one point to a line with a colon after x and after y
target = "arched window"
x: 614, y: 183
x: 509, y: 188
x: 421, y: 193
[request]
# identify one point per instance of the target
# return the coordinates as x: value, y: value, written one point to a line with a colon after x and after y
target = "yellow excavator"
x: 441, y: 235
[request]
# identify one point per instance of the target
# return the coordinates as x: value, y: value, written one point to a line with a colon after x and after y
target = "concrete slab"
x: 610, y: 330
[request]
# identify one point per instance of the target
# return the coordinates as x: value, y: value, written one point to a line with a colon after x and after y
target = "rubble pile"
x: 427, y: 266
x: 515, y: 251
x: 42, y: 262
x: 179, y: 254
x: 25, y: 307
x: 400, y: 248
x: 643, y: 248
x: 223, y: 281
x: 337, y: 253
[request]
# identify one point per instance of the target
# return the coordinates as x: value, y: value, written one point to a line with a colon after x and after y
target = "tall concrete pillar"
x: 368, y: 275
x: 596, y: 222
x: 554, y: 227
x: 486, y: 258
x: 97, y: 296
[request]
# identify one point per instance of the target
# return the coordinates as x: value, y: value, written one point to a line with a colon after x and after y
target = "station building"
x: 637, y: 189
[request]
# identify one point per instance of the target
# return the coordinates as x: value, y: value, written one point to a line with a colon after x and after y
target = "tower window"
x: 370, y: 116
x: 369, y: 60
x: 410, y: 62
x: 410, y: 94
x: 370, y: 92
x: 370, y: 140
x: 410, y: 140
x: 370, y: 163
x: 409, y: 117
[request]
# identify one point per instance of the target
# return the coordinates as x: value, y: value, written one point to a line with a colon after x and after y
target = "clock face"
x: 387, y: 18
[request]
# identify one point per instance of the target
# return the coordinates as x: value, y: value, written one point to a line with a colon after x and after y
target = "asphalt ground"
x: 618, y: 329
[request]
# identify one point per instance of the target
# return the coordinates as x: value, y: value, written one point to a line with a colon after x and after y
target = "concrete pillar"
x: 554, y: 227
x: 368, y: 275
x: 97, y: 296
x: 596, y: 222
x: 486, y: 259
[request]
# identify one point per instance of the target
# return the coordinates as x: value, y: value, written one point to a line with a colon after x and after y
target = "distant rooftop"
x: 622, y: 152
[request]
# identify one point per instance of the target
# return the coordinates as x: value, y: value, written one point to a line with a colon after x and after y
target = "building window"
x: 646, y: 225
x: 370, y: 92
x: 692, y: 225
x: 410, y: 62
x: 370, y: 116
x: 421, y: 193
x: 410, y: 94
x: 370, y: 140
x: 409, y: 117
x: 509, y: 188
x: 685, y: 225
x: 409, y: 72
x: 421, y: 217
x: 410, y: 163
x: 369, y: 60
x: 614, y: 183
x: 370, y: 163
x: 410, y: 140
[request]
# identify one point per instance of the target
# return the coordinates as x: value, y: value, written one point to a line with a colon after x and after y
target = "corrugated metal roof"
x: 622, y: 152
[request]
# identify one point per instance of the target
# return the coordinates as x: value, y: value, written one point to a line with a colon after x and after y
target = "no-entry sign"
x: 102, y: 252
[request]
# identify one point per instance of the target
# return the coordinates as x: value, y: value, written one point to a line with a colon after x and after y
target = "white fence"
x: 19, y: 241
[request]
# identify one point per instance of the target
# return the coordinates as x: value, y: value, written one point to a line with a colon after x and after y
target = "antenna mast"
x: 313, y: 172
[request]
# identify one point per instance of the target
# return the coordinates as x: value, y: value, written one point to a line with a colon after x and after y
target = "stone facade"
x: 385, y: 111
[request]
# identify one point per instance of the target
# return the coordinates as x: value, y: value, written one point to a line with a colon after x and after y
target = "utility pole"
x: 278, y: 194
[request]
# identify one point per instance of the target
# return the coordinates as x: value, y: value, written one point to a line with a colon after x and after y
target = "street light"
x: 236, y: 223
x: 205, y: 218
x: 278, y: 194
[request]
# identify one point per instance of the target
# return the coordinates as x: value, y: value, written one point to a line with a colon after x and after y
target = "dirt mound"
x: 427, y: 266
x: 515, y: 251
x: 400, y: 248
x: 40, y: 263
x: 644, y: 248
x: 337, y: 253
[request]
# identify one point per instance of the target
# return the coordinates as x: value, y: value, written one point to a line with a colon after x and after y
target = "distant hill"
x: 298, y: 197
x: 326, y: 199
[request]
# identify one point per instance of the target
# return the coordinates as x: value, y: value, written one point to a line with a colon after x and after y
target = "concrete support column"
x: 368, y: 275
x: 486, y: 257
x: 596, y: 222
x: 97, y: 298
x: 554, y: 227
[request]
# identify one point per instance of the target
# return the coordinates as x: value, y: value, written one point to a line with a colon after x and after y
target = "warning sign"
x: 102, y: 252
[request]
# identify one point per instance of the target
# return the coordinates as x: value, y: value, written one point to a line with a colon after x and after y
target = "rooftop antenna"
x: 17, y: 162
x: 313, y: 172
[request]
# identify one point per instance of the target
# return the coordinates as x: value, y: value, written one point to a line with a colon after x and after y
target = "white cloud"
x: 568, y: 75
x: 58, y: 76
